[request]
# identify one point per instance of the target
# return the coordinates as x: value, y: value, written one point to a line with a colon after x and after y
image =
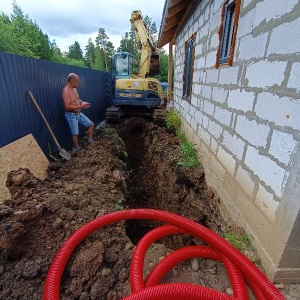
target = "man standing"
x: 73, y: 107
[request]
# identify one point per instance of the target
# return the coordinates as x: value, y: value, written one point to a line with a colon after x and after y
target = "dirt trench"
x: 156, y: 181
x: 131, y: 165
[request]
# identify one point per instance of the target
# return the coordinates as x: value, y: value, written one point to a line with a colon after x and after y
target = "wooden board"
x: 22, y: 153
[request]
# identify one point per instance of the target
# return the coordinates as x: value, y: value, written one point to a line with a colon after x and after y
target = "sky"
x: 67, y: 21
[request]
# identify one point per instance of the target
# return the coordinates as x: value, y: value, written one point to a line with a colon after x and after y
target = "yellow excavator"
x: 136, y: 92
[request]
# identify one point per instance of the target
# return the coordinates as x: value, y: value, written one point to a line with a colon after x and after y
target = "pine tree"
x: 90, y: 55
x: 75, y: 51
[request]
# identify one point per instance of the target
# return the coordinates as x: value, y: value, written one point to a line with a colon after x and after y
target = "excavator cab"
x: 124, y: 65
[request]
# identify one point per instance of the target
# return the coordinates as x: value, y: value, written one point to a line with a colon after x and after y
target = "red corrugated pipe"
x: 220, y: 248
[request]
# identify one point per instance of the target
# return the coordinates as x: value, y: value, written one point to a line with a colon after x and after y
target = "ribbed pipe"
x: 52, y: 283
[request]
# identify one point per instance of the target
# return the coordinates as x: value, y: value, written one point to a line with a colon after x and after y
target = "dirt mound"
x: 138, y: 170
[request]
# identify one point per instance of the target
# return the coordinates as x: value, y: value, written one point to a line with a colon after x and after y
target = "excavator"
x: 136, y: 93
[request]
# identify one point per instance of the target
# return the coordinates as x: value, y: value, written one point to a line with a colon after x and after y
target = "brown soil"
x: 138, y: 170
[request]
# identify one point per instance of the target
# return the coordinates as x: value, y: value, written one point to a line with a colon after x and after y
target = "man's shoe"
x: 77, y: 149
x: 90, y: 141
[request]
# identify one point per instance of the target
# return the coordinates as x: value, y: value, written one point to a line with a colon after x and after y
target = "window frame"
x: 189, y: 59
x: 227, y: 32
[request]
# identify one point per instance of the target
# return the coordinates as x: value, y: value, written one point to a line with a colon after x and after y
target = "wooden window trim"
x: 192, y: 69
x: 235, y: 26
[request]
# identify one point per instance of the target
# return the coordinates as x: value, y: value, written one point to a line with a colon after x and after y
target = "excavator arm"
x: 149, y: 64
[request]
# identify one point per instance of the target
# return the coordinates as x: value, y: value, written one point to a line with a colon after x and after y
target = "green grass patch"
x: 173, y: 119
x: 237, y: 240
x: 120, y: 204
x: 189, y: 158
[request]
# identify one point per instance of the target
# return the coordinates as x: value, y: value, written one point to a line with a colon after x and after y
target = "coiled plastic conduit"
x: 238, y: 266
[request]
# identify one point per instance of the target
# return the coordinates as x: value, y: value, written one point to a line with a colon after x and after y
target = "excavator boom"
x: 149, y: 65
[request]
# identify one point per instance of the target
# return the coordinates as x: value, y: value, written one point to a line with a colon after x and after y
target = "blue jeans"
x: 74, y: 119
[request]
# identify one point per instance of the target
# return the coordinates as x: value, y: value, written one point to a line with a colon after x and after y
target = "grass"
x: 119, y: 205
x: 237, y: 240
x: 189, y: 159
x: 173, y: 119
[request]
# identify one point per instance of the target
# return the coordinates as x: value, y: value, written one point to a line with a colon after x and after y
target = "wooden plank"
x: 22, y: 153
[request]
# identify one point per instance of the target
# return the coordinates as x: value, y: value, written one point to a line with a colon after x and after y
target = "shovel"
x: 62, y: 152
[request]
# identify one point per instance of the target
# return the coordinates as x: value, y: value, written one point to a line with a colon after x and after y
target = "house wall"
x: 244, y: 120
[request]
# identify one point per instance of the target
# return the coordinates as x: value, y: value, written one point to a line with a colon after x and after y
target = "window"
x: 227, y: 32
x: 188, y: 67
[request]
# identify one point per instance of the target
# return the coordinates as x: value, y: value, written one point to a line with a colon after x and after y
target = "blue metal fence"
x: 19, y: 116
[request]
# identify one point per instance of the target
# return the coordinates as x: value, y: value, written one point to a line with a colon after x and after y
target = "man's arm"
x: 68, y: 105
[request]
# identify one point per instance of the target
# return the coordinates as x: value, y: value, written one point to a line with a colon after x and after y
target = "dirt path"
x: 135, y: 168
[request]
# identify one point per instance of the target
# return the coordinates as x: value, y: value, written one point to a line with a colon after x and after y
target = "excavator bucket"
x: 154, y: 65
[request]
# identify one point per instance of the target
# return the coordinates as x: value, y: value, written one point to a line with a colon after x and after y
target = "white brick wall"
x: 264, y: 74
x: 252, y: 47
x: 234, y: 144
x: 245, y: 3
x: 252, y: 131
x: 222, y: 115
x: 246, y: 23
x: 214, y: 129
x: 208, y: 108
x: 210, y: 59
x: 282, y: 146
x: 244, y: 118
x: 265, y: 13
x: 219, y: 94
x: 206, y: 91
x: 241, y: 100
x: 294, y: 76
x: 266, y: 169
x: 212, y: 76
x: 204, y: 136
x: 196, y: 89
x: 285, y: 38
x: 205, y: 122
x: 217, y: 5
x: 282, y: 111
x: 229, y: 75
x: 198, y: 116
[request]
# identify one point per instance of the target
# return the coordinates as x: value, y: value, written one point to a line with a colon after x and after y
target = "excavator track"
x: 159, y: 116
x: 113, y: 114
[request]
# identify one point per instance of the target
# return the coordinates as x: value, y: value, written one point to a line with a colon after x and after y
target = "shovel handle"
x: 41, y: 113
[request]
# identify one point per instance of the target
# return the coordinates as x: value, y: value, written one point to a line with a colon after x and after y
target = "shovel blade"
x: 65, y: 154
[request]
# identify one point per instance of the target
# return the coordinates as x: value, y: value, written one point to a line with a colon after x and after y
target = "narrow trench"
x: 152, y: 184
x: 138, y: 195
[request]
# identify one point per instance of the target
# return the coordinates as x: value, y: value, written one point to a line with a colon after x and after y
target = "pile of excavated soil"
x: 136, y: 168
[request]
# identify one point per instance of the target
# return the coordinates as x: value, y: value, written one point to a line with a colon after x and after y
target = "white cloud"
x: 76, y: 20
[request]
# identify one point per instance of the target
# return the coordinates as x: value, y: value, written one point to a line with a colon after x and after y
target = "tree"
x: 163, y: 67
x: 128, y: 43
x: 90, y: 55
x: 151, y: 27
x: 75, y: 51
x: 23, y: 26
x: 105, y: 47
x: 99, y: 60
x: 11, y: 41
x: 55, y: 48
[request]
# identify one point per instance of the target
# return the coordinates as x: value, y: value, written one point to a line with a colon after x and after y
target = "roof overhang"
x: 174, y: 15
